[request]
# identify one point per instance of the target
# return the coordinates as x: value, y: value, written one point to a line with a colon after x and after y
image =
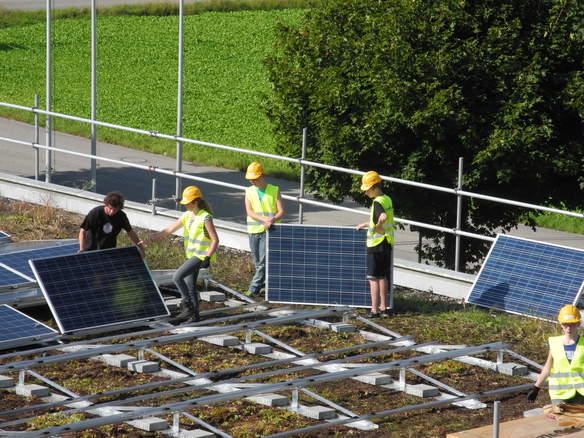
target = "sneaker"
x: 385, y: 313
x: 372, y: 315
x: 249, y: 293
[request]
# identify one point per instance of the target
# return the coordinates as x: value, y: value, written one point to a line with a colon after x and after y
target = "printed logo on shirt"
x: 107, y: 228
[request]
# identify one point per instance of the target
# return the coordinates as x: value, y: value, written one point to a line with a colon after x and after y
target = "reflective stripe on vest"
x: 373, y: 237
x: 195, y: 241
x: 566, y: 378
x: 267, y: 207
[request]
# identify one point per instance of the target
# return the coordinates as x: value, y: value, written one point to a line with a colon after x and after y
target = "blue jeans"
x: 257, y: 244
x: 185, y: 279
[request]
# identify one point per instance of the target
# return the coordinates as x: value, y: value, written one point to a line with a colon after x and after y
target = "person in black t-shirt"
x: 101, y: 226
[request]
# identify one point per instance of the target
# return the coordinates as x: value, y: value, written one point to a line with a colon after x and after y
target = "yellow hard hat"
x: 190, y: 194
x: 569, y: 314
x: 254, y: 170
x: 369, y: 180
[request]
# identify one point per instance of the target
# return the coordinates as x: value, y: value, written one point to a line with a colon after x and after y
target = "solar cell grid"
x: 528, y: 277
x: 99, y: 288
x: 18, y: 328
x: 317, y: 265
x: 18, y: 260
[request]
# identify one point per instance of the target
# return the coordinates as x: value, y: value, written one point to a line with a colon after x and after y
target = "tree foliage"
x: 406, y: 87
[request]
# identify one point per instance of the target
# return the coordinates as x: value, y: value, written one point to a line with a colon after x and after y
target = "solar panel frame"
x: 95, y: 291
x: 549, y: 261
x: 340, y: 251
x: 17, y: 329
x: 17, y: 261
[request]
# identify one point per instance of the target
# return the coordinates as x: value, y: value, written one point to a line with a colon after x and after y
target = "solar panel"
x: 529, y: 278
x: 4, y: 237
x: 18, y: 261
x: 10, y: 277
x: 16, y: 328
x: 99, y: 288
x: 308, y: 264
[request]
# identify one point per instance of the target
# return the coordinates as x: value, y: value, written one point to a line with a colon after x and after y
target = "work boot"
x: 186, y: 310
x: 194, y: 317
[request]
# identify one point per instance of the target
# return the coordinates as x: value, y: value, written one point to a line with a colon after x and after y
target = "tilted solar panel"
x: 99, y: 288
x: 18, y: 260
x: 4, y: 237
x: 529, y: 278
x: 323, y: 265
x: 16, y: 328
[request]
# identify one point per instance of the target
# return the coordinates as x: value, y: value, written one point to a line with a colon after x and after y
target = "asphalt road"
x: 30, y: 5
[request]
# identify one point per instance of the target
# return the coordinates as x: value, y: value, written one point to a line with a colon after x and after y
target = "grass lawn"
x: 224, y: 78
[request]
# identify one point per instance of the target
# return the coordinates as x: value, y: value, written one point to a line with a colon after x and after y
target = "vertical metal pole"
x: 458, y: 217
x: 48, y: 87
x: 496, y: 419
x: 179, y: 105
x: 93, y: 181
x: 36, y: 139
x: 303, y: 156
x: 153, y: 196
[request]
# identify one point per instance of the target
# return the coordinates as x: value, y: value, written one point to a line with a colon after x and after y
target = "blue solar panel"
x: 99, y: 288
x: 317, y: 265
x: 9, y: 277
x: 16, y: 328
x: 4, y: 237
x: 529, y: 278
x: 18, y: 261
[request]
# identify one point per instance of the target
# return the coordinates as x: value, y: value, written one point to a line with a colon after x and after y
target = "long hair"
x: 203, y: 204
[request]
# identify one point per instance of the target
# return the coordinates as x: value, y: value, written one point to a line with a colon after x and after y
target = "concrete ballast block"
x: 143, y: 366
x: 374, y: 379
x: 221, y: 340
x: 212, y: 296
x: 512, y: 369
x: 151, y: 424
x: 33, y: 389
x: 195, y: 433
x: 257, y: 348
x: 118, y: 360
x: 317, y: 412
x: 533, y: 412
x: 343, y: 327
x: 269, y: 399
x: 422, y: 390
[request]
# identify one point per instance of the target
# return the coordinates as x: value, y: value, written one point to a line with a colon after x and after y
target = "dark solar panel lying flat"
x: 529, y: 278
x: 317, y: 265
x: 99, y: 288
x: 16, y: 328
x: 10, y: 277
x: 18, y: 260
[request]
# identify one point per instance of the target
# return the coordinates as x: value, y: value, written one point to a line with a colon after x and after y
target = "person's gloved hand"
x: 206, y: 262
x: 532, y: 394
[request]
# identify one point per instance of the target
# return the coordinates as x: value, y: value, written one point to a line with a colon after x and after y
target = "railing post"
x: 36, y: 139
x: 301, y: 195
x: 458, y: 217
x: 496, y: 415
x: 153, y: 196
x: 179, y: 104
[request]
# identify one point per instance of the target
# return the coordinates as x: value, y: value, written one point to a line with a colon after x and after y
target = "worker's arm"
x: 82, y: 233
x: 134, y: 238
x: 379, y: 225
x: 269, y: 220
x: 166, y: 232
x: 545, y: 372
x: 210, y: 227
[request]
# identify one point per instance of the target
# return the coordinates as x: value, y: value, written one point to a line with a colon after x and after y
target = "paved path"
x: 227, y: 203
x: 29, y: 5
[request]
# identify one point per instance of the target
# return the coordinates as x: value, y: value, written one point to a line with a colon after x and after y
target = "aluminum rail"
x: 193, y: 387
x: 298, y: 161
x: 209, y: 374
x: 145, y: 343
x: 238, y: 394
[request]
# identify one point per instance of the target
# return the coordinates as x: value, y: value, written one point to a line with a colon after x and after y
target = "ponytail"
x: 203, y: 204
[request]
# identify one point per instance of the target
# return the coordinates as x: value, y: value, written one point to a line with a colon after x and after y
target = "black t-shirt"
x: 102, y: 229
x: 383, y: 246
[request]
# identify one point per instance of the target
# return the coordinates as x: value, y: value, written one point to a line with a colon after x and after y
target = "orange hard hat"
x: 369, y: 179
x: 569, y: 314
x: 190, y: 194
x: 254, y: 170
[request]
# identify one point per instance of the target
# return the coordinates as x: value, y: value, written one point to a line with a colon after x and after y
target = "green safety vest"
x: 196, y: 242
x: 566, y: 378
x: 266, y: 207
x: 374, y: 238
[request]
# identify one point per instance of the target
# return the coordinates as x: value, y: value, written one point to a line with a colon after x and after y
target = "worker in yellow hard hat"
x: 380, y: 230
x: 565, y: 362
x: 264, y: 207
x: 200, y: 242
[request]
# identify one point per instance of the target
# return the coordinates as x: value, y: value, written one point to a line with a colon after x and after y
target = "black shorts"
x: 379, y: 262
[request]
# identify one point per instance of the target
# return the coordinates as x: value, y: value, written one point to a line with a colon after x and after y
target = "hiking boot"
x: 372, y: 315
x: 187, y: 310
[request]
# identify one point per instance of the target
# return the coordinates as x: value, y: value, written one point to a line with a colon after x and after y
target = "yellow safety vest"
x: 266, y: 207
x: 566, y: 378
x: 196, y: 242
x: 373, y: 237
